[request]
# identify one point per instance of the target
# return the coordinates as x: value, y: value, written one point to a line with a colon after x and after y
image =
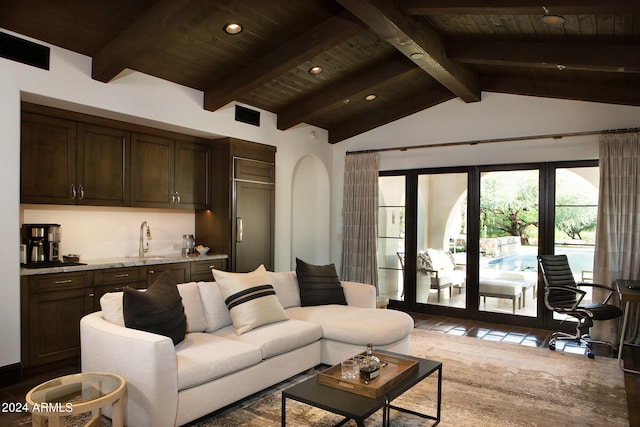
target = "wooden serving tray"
x: 397, y: 369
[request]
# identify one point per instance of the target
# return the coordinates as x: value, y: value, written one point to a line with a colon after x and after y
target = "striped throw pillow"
x: 250, y: 298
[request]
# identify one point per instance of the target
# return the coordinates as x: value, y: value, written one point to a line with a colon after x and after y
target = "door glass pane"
x: 441, y: 239
x: 575, y: 221
x: 391, y: 236
x: 508, y: 242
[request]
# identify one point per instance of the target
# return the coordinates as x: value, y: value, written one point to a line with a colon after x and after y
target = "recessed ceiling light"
x: 315, y: 70
x: 417, y: 55
x: 370, y: 97
x: 233, y: 28
x: 551, y: 19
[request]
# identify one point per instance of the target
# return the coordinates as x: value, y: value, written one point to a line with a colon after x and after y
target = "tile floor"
x: 535, y: 338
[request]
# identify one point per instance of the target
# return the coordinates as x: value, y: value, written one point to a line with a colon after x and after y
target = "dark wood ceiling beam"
x: 142, y: 33
x: 381, y: 116
x: 340, y: 93
x: 585, y: 57
x: 418, y: 42
x: 329, y: 33
x: 516, y: 7
x: 592, y: 92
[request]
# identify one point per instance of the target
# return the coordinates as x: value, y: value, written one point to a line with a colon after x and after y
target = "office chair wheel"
x: 552, y: 347
x: 591, y: 355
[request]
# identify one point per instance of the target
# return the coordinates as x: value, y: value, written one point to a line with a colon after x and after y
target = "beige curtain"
x: 360, y: 218
x: 617, y: 252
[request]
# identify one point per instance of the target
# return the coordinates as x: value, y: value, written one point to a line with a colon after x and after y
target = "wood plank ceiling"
x: 410, y: 54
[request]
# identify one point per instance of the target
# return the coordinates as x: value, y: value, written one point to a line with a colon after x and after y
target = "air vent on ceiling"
x: 247, y: 115
x: 24, y: 51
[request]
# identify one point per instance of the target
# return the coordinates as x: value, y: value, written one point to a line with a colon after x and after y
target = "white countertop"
x: 104, y: 263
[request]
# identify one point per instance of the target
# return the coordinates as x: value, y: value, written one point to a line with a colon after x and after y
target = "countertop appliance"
x: 42, y: 244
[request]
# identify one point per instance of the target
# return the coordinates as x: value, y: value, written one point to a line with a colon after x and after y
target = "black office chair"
x: 563, y: 295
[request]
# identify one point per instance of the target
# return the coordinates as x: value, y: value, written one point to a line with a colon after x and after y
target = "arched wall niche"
x: 310, y: 212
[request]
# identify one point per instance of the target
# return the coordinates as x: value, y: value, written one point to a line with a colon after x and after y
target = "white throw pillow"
x: 436, y: 259
x: 286, y: 285
x: 215, y: 310
x: 192, y: 307
x: 111, y: 305
x: 251, y: 300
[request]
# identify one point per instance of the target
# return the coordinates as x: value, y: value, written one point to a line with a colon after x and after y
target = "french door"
x: 464, y: 241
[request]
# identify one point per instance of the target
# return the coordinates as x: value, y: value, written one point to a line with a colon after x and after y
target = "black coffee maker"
x: 42, y: 242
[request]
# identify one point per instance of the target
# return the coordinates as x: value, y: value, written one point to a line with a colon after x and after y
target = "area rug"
x: 485, y: 383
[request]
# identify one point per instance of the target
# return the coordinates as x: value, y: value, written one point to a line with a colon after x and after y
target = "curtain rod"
x: 494, y: 140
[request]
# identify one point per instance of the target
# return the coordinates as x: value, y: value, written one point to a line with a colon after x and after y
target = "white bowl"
x: 202, y: 251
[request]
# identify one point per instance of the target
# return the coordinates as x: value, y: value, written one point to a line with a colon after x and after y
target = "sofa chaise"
x: 214, y: 366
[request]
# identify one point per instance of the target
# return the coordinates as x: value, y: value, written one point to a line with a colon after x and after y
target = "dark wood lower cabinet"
x: 53, y: 304
x: 201, y: 270
x: 53, y: 326
x: 180, y: 271
x: 115, y: 280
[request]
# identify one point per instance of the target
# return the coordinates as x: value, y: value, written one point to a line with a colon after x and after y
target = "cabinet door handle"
x: 72, y: 191
x: 81, y: 192
x: 239, y: 230
x: 178, y: 198
x: 121, y: 275
x: 62, y: 282
x: 173, y: 197
x: 151, y: 272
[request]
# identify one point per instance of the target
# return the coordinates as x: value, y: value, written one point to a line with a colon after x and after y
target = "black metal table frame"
x: 426, y: 368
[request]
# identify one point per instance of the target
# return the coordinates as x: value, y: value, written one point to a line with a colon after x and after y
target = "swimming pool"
x: 580, y: 259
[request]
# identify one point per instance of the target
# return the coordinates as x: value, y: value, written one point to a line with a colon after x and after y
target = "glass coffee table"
x: 357, y: 407
x: 76, y: 394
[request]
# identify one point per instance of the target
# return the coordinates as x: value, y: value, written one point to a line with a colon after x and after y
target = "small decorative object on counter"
x: 370, y: 369
x: 188, y: 245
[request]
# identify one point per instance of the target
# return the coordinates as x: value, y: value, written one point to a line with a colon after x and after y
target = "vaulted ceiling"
x: 410, y: 54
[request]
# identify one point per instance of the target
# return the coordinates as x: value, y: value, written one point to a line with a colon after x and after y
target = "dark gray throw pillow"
x: 319, y: 284
x: 158, y: 310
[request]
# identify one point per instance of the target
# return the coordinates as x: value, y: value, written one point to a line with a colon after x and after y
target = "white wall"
x: 496, y: 116
x: 311, y: 213
x: 136, y: 98
x: 103, y: 232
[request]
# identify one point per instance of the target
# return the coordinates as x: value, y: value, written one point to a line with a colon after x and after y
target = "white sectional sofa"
x: 171, y: 385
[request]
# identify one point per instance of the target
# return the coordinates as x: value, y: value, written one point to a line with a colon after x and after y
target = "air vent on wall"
x: 247, y: 115
x: 24, y: 51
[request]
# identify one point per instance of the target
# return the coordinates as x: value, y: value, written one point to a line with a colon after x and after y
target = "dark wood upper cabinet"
x: 48, y: 159
x: 152, y: 171
x: 192, y: 175
x: 67, y: 162
x: 169, y: 173
x: 72, y: 158
x: 103, y: 166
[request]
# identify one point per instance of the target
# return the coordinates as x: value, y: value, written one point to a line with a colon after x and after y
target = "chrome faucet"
x: 142, y: 248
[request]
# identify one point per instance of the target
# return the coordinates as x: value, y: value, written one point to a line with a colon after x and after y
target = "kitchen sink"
x: 151, y: 258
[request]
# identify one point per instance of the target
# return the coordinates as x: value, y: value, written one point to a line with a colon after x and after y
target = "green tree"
x: 509, y: 204
x: 576, y: 211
